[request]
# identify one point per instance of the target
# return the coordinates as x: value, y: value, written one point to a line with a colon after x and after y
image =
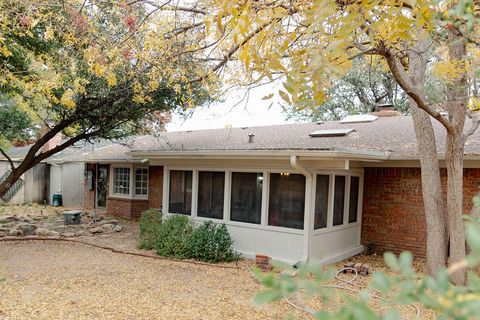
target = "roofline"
x: 96, y: 161
x: 258, y: 154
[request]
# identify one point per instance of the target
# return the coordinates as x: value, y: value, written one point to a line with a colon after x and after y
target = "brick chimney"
x: 52, y: 143
x: 386, y: 110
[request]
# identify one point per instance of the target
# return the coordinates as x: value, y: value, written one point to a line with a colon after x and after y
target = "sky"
x: 253, y: 112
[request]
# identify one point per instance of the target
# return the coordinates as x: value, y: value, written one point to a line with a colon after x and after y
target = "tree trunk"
x: 433, y: 203
x: 6, y: 184
x: 430, y: 172
x: 457, y: 95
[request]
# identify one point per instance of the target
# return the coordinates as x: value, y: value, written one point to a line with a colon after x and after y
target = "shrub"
x: 211, y: 242
x: 150, y: 223
x: 172, y: 237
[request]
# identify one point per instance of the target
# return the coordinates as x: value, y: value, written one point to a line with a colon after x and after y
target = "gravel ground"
x: 60, y: 280
x: 56, y: 280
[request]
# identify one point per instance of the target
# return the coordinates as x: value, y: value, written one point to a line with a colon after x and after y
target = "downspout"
x: 309, y: 200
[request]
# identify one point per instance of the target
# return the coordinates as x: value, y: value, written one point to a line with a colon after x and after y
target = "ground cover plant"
x: 211, y: 242
x: 176, y: 237
x: 149, y: 226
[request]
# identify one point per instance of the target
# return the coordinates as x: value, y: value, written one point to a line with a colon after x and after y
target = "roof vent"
x: 250, y: 137
x: 359, y: 118
x: 331, y: 133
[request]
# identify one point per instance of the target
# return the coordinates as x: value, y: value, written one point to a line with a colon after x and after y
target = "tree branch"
x: 8, y: 158
x: 401, y: 77
x: 475, y: 117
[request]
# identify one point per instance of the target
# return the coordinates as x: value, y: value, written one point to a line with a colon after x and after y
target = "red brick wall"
x: 155, y: 186
x: 393, y: 216
x: 126, y: 208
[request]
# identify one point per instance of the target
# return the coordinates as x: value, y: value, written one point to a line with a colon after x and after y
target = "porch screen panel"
x: 321, y: 201
x: 211, y: 191
x: 286, y: 200
x: 180, y: 195
x: 339, y: 200
x: 246, y: 198
x: 353, y: 203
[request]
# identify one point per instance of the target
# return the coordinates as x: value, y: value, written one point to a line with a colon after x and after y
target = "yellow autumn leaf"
x: 111, y: 79
x: 449, y: 71
x: 98, y: 70
x: 67, y: 99
x: 49, y: 34
x: 5, y: 52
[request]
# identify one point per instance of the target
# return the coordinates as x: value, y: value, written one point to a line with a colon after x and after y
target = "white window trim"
x: 140, y: 196
x: 131, y: 194
x: 265, y: 197
x: 345, y: 225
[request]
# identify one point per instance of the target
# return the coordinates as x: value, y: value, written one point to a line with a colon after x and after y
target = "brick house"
x: 318, y: 191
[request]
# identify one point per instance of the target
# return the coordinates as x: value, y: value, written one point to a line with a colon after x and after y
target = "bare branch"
x: 403, y: 80
x: 8, y: 158
x: 162, y: 6
x: 475, y: 116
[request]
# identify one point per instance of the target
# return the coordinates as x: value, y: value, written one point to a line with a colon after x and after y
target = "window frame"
x: 346, y: 225
x: 305, y: 199
x: 135, y: 182
x: 131, y: 194
x: 265, y: 196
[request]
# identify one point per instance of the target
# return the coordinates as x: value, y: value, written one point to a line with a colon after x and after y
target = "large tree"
x: 89, y: 69
x: 309, y: 44
x: 362, y: 89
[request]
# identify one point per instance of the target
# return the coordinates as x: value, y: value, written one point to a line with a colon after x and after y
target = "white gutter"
x: 309, y: 197
x: 257, y: 154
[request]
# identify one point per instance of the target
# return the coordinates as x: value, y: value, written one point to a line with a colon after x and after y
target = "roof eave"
x: 258, y: 154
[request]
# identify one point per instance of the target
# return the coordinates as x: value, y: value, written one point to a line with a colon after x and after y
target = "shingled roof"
x: 386, y: 138
x: 389, y: 136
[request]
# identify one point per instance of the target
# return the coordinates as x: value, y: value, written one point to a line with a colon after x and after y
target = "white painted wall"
x: 72, y: 183
x: 67, y: 178
x: 284, y: 244
x: 279, y: 245
x: 34, y: 184
x: 335, y: 245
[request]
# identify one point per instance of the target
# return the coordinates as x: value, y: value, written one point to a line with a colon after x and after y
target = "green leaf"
x: 473, y: 237
x: 285, y: 96
x: 266, y: 296
x: 268, y: 96
x: 405, y: 261
x: 391, y: 261
x: 392, y: 314
x: 381, y: 282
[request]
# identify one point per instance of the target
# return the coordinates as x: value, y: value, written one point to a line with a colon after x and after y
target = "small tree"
x: 89, y: 69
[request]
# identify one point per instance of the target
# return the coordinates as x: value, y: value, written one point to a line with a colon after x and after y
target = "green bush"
x: 211, y: 242
x: 150, y: 223
x: 172, y: 237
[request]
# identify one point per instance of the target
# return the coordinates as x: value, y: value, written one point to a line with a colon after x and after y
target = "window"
x: 321, y: 201
x: 141, y: 181
x: 287, y: 200
x: 180, y: 195
x: 353, y: 203
x: 121, y: 181
x: 246, y: 198
x: 339, y: 200
x: 211, y: 191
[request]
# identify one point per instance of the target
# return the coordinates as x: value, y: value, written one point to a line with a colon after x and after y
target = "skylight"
x: 331, y: 133
x: 358, y: 118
